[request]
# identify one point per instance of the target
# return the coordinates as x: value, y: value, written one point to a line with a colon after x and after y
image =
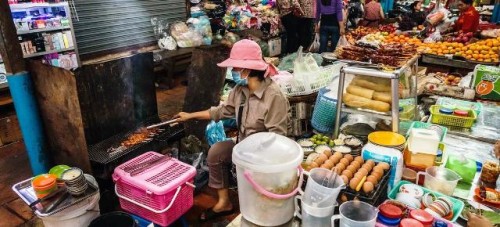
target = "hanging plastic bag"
x: 342, y: 42
x: 215, y: 133
x: 315, y: 44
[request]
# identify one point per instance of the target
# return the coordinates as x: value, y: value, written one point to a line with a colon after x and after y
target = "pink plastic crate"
x: 161, y: 193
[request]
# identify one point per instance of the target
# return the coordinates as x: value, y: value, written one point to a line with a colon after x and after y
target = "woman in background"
x: 330, y: 16
x: 468, y: 21
x: 373, y: 14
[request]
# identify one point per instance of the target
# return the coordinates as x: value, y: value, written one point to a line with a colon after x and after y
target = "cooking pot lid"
x: 267, y: 152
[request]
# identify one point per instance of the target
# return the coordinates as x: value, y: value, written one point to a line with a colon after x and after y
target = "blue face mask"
x: 237, y: 78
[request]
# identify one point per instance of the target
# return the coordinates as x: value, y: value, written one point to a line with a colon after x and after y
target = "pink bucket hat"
x: 247, y: 54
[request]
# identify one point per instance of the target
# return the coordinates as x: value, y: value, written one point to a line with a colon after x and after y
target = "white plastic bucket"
x: 80, y: 214
x: 268, y: 170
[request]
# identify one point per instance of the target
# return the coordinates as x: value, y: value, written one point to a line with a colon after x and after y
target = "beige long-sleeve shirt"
x: 265, y: 110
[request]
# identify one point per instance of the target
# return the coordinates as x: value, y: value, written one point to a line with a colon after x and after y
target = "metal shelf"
x: 43, y: 30
x: 37, y: 5
x: 447, y: 62
x: 48, y: 52
x: 375, y: 71
x: 371, y: 113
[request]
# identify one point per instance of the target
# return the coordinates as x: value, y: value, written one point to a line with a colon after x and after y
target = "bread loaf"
x: 380, y: 87
x: 360, y: 91
x: 361, y: 102
x: 382, y: 96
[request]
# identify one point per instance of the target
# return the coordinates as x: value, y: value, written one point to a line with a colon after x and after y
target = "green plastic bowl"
x: 58, y: 170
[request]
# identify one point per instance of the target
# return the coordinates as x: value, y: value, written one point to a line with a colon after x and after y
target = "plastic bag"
x: 215, y: 133
x: 315, y: 44
x: 304, y: 64
x: 342, y: 42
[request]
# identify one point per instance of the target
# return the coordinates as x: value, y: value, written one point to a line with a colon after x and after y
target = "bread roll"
x: 382, y: 96
x: 360, y: 91
x: 380, y: 87
x: 361, y: 102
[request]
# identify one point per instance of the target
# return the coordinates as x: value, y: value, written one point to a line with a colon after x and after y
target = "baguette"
x: 361, y: 102
x: 360, y: 91
x: 371, y: 85
x: 382, y: 96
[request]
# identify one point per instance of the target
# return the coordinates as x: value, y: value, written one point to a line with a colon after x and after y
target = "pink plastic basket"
x: 161, y: 193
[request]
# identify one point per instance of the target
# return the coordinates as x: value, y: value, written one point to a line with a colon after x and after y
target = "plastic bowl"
x: 58, y: 170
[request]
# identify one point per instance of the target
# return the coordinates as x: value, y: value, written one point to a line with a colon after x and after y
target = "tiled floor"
x: 14, y: 167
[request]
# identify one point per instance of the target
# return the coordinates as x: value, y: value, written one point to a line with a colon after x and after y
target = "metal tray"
x: 25, y: 191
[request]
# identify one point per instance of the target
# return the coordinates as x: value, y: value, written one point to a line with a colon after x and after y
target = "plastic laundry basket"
x: 325, y: 109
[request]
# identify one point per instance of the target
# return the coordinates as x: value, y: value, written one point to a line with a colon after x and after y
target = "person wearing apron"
x: 329, y: 14
x: 258, y: 105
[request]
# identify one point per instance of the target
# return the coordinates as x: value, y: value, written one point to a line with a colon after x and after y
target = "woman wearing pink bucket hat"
x: 258, y: 105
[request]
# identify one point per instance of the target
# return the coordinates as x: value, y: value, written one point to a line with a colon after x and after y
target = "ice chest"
x: 160, y: 191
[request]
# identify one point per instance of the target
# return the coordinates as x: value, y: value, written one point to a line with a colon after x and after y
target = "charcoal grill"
x: 104, y: 162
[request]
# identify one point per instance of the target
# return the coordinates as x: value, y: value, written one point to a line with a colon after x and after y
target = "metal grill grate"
x: 103, y: 162
x: 99, y: 152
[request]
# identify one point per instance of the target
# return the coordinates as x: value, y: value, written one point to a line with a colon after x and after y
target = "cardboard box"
x: 487, y: 82
x: 9, y: 130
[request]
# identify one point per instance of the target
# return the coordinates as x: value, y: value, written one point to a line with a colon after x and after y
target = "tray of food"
x: 389, y: 55
x: 366, y: 193
x: 489, y: 196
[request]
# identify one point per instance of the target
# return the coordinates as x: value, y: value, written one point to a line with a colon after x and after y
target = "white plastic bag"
x: 342, y: 42
x: 315, y: 44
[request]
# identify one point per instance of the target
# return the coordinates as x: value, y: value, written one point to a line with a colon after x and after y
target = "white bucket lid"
x: 267, y: 152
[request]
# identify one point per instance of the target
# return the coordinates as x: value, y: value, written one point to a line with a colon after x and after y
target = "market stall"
x: 382, y: 133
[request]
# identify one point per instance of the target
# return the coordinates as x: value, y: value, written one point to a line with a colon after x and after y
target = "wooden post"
x: 9, y: 45
x: 21, y: 89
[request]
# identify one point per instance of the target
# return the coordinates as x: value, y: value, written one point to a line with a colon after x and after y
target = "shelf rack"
x: 43, y: 30
x: 366, y: 70
x: 65, y: 5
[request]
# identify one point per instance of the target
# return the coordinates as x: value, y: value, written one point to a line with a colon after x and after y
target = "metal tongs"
x: 169, y: 122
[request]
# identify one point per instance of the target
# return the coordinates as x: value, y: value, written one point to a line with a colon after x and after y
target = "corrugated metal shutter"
x: 111, y: 24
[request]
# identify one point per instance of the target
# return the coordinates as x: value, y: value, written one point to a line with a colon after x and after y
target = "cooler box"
x: 155, y: 187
